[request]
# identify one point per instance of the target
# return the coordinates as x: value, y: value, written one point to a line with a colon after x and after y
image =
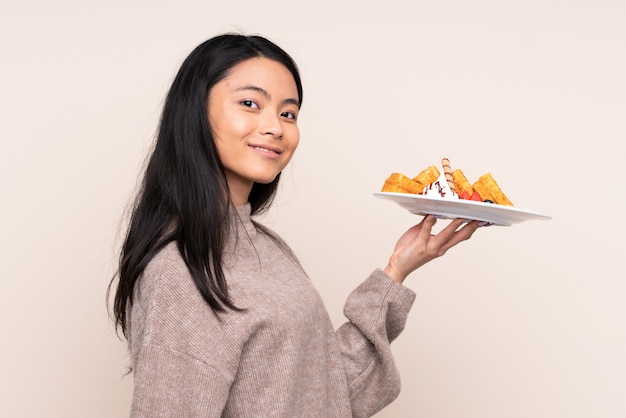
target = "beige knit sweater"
x: 280, y: 357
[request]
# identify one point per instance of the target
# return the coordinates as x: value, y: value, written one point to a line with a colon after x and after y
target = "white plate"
x: 466, y: 209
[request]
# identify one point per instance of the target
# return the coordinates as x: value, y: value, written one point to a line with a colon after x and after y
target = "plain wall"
x: 521, y: 321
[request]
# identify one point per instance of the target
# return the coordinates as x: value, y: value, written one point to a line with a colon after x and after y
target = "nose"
x: 271, y: 125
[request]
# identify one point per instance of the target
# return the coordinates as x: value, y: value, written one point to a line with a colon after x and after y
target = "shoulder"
x: 169, y: 314
x: 167, y: 261
x: 165, y: 296
x: 165, y: 276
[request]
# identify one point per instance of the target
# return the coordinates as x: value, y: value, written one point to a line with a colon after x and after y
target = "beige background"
x: 522, y: 321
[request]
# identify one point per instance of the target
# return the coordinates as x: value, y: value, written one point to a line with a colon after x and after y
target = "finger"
x: 461, y: 235
x: 448, y: 232
x: 427, y: 223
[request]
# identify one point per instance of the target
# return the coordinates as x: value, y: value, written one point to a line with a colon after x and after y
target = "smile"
x: 266, y: 150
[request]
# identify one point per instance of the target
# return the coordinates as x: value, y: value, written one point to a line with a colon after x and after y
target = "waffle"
x: 399, y: 183
x: 488, y: 189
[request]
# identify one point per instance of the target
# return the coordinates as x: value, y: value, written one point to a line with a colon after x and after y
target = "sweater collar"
x: 242, y: 221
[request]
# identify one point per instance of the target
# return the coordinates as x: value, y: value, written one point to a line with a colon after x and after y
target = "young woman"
x: 220, y: 318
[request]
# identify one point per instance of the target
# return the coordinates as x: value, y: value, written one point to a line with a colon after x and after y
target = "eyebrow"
x: 264, y: 92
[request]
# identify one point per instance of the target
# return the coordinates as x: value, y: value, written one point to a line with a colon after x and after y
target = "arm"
x: 173, y: 384
x: 177, y: 366
x: 377, y: 312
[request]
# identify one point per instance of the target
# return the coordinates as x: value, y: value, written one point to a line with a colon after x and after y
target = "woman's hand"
x: 418, y: 246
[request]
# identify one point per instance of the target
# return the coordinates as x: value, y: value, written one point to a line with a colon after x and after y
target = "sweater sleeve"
x: 377, y: 311
x: 173, y: 384
x: 178, y: 371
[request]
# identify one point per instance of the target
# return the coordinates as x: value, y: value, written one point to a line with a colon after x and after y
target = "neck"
x: 239, y: 193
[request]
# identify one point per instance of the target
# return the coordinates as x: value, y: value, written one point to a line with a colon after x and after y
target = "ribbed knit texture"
x: 280, y: 357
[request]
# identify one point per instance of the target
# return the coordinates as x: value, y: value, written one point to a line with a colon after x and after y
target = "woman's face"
x: 253, y: 116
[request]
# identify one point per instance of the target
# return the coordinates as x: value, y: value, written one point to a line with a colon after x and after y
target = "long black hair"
x: 184, y: 196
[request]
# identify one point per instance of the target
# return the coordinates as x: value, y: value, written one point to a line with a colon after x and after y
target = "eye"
x: 250, y: 103
x: 289, y: 115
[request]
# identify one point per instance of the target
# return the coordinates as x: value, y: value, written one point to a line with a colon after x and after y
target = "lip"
x: 266, y: 150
